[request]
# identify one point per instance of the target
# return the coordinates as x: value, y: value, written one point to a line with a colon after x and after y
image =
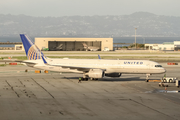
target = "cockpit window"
x: 158, y: 65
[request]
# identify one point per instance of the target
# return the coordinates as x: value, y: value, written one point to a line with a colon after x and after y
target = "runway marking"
x: 43, y: 88
x: 82, y: 106
x: 48, y: 82
x: 12, y: 89
x: 152, y: 109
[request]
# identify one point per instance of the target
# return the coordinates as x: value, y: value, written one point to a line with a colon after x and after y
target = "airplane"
x: 58, y: 48
x: 91, y: 48
x: 90, y: 68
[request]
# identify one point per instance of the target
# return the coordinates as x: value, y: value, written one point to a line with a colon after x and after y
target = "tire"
x: 170, y: 80
x: 164, y: 81
x: 146, y: 80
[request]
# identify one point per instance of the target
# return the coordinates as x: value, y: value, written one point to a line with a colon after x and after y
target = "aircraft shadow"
x: 112, y: 79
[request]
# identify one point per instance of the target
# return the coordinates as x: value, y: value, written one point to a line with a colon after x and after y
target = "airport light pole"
x: 135, y: 37
x: 144, y: 41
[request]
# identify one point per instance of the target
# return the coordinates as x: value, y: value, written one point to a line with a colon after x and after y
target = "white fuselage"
x: 110, y: 66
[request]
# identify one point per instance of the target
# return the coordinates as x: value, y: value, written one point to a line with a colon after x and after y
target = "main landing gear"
x: 84, y: 79
x: 94, y: 79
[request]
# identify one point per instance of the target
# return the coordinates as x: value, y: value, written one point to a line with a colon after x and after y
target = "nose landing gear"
x: 147, y: 77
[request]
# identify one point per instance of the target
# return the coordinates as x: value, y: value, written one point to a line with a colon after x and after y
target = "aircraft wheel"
x: 94, y: 79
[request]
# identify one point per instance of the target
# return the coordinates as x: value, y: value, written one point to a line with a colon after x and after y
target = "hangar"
x: 75, y: 44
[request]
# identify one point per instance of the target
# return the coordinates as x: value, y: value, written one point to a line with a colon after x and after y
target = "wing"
x: 7, y: 60
x: 19, y: 61
x: 84, y: 69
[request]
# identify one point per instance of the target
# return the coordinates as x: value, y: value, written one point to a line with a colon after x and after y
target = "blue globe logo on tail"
x: 32, y: 51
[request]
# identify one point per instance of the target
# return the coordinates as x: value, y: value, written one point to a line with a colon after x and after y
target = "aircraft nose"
x: 163, y: 70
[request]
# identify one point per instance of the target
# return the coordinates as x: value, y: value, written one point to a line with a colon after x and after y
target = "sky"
x: 58, y: 8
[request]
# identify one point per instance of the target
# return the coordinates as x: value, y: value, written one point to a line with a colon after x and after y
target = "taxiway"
x: 54, y: 96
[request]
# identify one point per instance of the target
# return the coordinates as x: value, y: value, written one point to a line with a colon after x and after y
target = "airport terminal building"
x: 74, y: 44
x: 173, y: 46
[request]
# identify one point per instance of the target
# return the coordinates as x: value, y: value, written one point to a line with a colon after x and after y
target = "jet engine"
x: 95, y: 73
x: 113, y: 74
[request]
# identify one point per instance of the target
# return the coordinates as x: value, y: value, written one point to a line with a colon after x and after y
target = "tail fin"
x: 32, y: 51
x: 84, y: 44
x: 99, y: 57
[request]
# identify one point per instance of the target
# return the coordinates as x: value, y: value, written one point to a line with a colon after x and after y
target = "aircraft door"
x: 148, y: 66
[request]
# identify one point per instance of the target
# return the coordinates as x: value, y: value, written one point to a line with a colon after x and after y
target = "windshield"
x: 158, y: 65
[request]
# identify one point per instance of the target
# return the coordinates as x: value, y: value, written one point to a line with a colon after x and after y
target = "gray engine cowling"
x: 113, y: 74
x: 95, y: 73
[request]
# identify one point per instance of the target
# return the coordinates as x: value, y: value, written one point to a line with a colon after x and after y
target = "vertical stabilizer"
x: 32, y: 51
x: 99, y: 57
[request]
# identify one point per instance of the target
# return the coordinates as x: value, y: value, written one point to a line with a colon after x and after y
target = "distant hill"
x: 147, y: 24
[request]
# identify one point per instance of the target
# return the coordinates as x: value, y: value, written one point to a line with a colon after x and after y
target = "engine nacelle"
x: 96, y: 73
x: 113, y: 74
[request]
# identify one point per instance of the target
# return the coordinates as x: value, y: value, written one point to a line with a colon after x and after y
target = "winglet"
x: 99, y: 57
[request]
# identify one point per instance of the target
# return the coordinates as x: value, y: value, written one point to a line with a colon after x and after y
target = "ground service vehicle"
x: 161, y: 84
x: 169, y: 80
x: 177, y: 83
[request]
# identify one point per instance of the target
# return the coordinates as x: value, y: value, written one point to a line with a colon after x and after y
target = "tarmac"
x: 54, y: 96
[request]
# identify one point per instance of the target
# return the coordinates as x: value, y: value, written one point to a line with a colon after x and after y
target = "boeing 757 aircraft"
x: 90, y: 68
